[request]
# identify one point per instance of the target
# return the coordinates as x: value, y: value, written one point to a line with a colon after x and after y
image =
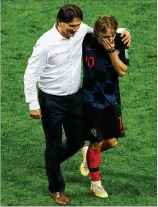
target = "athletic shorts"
x: 100, y: 124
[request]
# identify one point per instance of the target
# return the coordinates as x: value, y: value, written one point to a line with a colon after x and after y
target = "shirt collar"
x: 58, y: 33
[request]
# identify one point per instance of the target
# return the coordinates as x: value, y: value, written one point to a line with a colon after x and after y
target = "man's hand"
x: 109, y: 46
x: 126, y: 38
x: 36, y: 114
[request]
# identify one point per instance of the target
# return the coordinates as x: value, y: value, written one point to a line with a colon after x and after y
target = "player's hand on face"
x: 36, y: 114
x: 108, y: 45
x: 126, y: 38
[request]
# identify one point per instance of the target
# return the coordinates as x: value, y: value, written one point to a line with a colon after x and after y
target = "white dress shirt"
x: 56, y: 64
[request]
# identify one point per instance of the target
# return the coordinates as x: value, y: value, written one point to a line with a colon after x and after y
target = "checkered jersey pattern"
x: 100, y: 81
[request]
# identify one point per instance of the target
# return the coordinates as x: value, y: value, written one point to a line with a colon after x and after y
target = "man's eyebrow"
x: 74, y: 25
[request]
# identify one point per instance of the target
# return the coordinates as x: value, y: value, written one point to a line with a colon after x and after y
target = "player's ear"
x: 58, y: 22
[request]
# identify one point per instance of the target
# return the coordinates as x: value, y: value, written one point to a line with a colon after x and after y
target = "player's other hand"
x: 126, y: 38
x: 36, y: 114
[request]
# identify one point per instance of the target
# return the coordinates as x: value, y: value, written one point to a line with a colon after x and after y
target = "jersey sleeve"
x: 121, y: 49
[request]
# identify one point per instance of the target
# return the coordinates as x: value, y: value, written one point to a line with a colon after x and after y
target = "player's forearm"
x: 117, y: 64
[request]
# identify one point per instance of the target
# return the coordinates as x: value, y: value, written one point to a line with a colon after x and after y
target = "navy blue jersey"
x: 100, y: 81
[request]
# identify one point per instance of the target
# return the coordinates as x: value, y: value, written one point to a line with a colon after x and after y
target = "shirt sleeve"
x: 35, y: 67
x: 86, y: 29
x: 89, y: 30
x: 119, y: 30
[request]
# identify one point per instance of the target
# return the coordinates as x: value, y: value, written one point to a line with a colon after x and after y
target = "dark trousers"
x: 58, y: 112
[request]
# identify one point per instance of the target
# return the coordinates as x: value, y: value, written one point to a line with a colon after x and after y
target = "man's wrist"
x: 34, y: 105
x: 111, y: 51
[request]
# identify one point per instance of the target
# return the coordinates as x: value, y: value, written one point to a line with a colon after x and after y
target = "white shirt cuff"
x: 34, y: 105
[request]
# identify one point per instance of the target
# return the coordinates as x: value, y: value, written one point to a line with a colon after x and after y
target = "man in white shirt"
x: 56, y: 64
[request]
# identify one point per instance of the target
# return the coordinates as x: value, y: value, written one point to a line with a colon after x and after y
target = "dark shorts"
x: 102, y: 124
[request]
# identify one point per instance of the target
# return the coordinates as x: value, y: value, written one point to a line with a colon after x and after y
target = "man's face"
x: 109, y: 35
x: 69, y: 29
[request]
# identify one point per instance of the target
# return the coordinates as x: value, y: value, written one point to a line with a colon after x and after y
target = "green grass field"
x: 128, y: 171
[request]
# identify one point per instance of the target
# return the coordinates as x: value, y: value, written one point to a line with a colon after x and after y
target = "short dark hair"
x: 103, y: 23
x: 68, y: 12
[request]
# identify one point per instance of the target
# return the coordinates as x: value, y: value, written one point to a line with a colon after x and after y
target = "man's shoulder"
x: 46, y: 38
x: 42, y: 44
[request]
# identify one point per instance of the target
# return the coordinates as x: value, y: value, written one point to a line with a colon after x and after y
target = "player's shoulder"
x: 89, y: 40
x: 88, y: 37
x: 118, y: 38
